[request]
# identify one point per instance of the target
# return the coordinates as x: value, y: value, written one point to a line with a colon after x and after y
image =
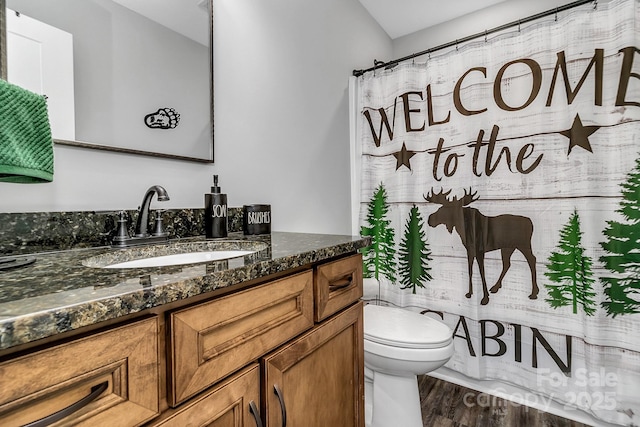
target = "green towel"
x: 26, y: 146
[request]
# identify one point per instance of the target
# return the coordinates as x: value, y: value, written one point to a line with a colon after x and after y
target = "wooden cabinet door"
x: 232, y: 403
x: 317, y: 380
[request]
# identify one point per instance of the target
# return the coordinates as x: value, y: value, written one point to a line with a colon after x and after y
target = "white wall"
x: 281, y: 123
x: 281, y: 105
x: 473, y: 23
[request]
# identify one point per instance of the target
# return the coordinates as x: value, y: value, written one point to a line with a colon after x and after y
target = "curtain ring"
x: 485, y: 36
x: 376, y: 64
x: 595, y: 5
x: 456, y: 44
x: 518, y: 25
x: 556, y: 14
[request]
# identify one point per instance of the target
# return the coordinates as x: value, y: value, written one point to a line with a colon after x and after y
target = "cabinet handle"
x: 256, y: 414
x: 96, y: 391
x: 343, y: 282
x: 283, y: 408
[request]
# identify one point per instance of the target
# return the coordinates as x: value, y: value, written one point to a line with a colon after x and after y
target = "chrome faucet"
x: 142, y: 225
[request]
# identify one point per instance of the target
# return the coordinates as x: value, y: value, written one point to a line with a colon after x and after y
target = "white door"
x: 40, y: 59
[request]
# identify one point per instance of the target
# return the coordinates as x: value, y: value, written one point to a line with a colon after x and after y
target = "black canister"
x: 256, y: 219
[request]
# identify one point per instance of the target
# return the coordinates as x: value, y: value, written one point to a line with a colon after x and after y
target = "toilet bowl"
x: 399, y: 345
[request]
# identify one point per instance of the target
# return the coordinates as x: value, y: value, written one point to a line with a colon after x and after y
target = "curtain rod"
x: 381, y: 64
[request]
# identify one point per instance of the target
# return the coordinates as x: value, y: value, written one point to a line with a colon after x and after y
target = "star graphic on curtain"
x: 579, y: 134
x: 403, y: 156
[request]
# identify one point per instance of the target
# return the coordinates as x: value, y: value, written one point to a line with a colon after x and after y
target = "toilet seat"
x: 402, y: 328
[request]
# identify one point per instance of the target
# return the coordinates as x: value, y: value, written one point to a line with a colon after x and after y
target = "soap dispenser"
x: 215, y: 212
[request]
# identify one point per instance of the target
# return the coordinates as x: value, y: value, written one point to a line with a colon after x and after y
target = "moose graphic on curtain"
x: 500, y: 185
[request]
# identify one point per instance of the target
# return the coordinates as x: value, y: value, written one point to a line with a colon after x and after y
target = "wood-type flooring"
x: 445, y: 404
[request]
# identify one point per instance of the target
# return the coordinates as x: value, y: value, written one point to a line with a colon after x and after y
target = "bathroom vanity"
x: 270, y: 339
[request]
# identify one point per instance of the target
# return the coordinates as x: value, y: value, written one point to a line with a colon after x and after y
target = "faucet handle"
x: 121, y: 232
x: 157, y: 228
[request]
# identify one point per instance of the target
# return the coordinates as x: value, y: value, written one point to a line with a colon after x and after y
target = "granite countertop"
x: 59, y: 292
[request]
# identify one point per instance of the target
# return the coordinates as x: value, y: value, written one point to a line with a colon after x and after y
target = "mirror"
x: 132, y: 76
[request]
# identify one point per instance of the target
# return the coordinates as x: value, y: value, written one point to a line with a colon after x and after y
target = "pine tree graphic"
x: 379, y: 257
x: 571, y: 269
x: 414, y: 253
x: 622, y: 292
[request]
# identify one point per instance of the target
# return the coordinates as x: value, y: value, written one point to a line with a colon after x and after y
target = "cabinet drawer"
x: 337, y: 284
x: 119, y: 368
x: 213, y: 339
x: 234, y: 402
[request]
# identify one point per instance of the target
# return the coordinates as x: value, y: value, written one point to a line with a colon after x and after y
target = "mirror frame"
x: 3, y: 40
x: 81, y: 144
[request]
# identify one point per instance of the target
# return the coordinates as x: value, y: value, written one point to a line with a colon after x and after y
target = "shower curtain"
x: 500, y: 184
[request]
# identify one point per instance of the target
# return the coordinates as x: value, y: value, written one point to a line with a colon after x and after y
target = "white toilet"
x: 399, y: 345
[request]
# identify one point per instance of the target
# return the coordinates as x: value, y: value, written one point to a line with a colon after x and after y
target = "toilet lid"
x: 403, y: 328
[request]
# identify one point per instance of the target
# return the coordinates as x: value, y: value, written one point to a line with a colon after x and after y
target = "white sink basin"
x: 176, y: 253
x: 180, y: 259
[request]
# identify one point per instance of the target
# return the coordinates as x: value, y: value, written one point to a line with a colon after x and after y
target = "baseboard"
x: 517, y: 395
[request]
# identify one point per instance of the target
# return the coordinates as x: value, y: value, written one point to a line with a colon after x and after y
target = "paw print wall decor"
x: 164, y: 118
